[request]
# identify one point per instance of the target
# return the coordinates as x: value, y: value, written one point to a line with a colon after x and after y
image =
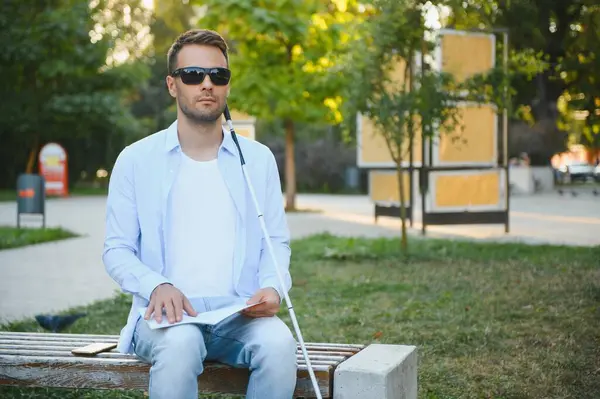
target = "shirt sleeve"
x: 276, y: 224
x: 121, y: 244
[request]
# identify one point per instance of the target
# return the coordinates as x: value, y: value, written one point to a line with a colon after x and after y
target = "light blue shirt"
x: 138, y: 211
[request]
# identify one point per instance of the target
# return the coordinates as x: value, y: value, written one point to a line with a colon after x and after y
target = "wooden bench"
x: 45, y: 360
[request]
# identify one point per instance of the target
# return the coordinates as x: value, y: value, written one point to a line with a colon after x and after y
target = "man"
x: 182, y: 235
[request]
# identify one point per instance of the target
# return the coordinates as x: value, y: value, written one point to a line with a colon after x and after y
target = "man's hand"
x: 172, y: 300
x: 269, y: 308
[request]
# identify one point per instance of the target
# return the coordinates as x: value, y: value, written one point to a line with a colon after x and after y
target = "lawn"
x: 489, y: 320
x: 12, y: 237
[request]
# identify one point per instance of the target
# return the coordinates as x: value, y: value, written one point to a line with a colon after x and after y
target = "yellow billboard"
x: 384, y: 188
x: 464, y: 54
x: 372, y: 149
x: 473, y: 141
x: 466, y: 190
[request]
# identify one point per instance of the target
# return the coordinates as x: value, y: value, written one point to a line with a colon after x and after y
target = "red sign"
x: 27, y: 193
x: 53, y: 167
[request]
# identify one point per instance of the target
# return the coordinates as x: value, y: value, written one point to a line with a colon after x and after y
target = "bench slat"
x: 53, y: 339
x: 4, y: 348
x: 315, y: 360
x: 103, y: 361
x: 7, y: 344
x: 61, y: 335
x: 114, y: 338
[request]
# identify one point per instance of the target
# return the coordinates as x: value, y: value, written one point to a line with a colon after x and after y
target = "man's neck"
x: 200, y: 142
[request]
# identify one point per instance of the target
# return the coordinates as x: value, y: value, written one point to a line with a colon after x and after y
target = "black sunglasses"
x: 196, y: 75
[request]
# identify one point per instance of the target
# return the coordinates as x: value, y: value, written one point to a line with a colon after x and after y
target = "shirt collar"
x: 172, y: 140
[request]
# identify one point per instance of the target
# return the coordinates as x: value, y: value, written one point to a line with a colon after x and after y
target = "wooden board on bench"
x: 45, y: 360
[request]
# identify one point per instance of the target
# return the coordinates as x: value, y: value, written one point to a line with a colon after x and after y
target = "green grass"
x: 489, y: 320
x: 8, y: 195
x: 12, y: 237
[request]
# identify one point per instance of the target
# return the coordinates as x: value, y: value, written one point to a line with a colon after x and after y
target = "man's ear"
x: 171, y: 86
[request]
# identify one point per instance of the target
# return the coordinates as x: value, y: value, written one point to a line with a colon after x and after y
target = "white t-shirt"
x: 201, y: 234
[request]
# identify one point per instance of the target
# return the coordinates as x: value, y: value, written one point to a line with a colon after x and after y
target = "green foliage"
x: 285, y: 60
x: 59, y: 85
x: 391, y: 31
x: 580, y: 69
x: 284, y: 55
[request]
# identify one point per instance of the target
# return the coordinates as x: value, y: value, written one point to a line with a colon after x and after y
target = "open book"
x: 211, y: 317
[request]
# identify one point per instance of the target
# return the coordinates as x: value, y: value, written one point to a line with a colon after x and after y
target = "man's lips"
x: 206, y: 100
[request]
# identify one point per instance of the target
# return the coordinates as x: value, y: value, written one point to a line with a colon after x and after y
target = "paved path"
x: 540, y: 219
x: 59, y: 275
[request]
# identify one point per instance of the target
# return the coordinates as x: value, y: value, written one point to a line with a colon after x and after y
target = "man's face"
x: 205, y: 102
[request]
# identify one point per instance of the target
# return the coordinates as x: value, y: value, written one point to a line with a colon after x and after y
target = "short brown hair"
x: 195, y: 36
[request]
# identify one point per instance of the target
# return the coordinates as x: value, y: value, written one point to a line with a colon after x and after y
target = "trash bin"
x: 31, y: 197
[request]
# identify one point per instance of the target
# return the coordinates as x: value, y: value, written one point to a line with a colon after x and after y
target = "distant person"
x: 524, y: 159
x: 182, y: 235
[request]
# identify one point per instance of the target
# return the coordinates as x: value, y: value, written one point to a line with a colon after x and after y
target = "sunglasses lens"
x: 192, y: 76
x: 220, y: 76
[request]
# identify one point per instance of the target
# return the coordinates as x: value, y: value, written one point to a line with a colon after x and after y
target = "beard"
x: 199, y: 116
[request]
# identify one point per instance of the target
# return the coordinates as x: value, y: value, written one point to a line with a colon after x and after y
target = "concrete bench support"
x: 378, y: 371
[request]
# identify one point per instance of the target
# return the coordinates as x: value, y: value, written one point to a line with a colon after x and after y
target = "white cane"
x: 288, y: 301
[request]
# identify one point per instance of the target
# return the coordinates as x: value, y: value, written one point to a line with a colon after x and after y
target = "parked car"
x: 577, y: 170
x: 597, y: 173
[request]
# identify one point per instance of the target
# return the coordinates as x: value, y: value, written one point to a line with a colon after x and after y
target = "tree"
x: 421, y: 103
x: 580, y: 70
x: 284, y: 58
x: 58, y: 82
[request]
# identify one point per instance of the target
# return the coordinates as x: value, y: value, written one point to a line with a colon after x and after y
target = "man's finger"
x: 262, y: 310
x: 250, y: 314
x: 255, y: 299
x: 178, y: 308
x: 258, y: 312
x: 149, y: 310
x: 158, y: 309
x: 253, y: 310
x: 170, y: 309
x: 189, y: 309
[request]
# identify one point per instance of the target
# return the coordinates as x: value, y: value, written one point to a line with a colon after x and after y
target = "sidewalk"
x: 539, y: 219
x: 59, y: 275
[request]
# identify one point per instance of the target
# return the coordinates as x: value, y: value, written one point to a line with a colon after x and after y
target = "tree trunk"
x: 290, y: 166
x: 403, y: 238
x: 32, y: 155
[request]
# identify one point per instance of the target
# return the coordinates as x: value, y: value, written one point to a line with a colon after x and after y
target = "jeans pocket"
x: 140, y: 348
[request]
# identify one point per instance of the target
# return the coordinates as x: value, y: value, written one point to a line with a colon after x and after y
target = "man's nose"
x: 206, y: 83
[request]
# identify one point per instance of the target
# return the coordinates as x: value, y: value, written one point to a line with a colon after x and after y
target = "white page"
x: 211, y: 318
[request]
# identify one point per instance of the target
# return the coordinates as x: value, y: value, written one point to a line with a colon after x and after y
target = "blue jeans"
x: 176, y: 354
